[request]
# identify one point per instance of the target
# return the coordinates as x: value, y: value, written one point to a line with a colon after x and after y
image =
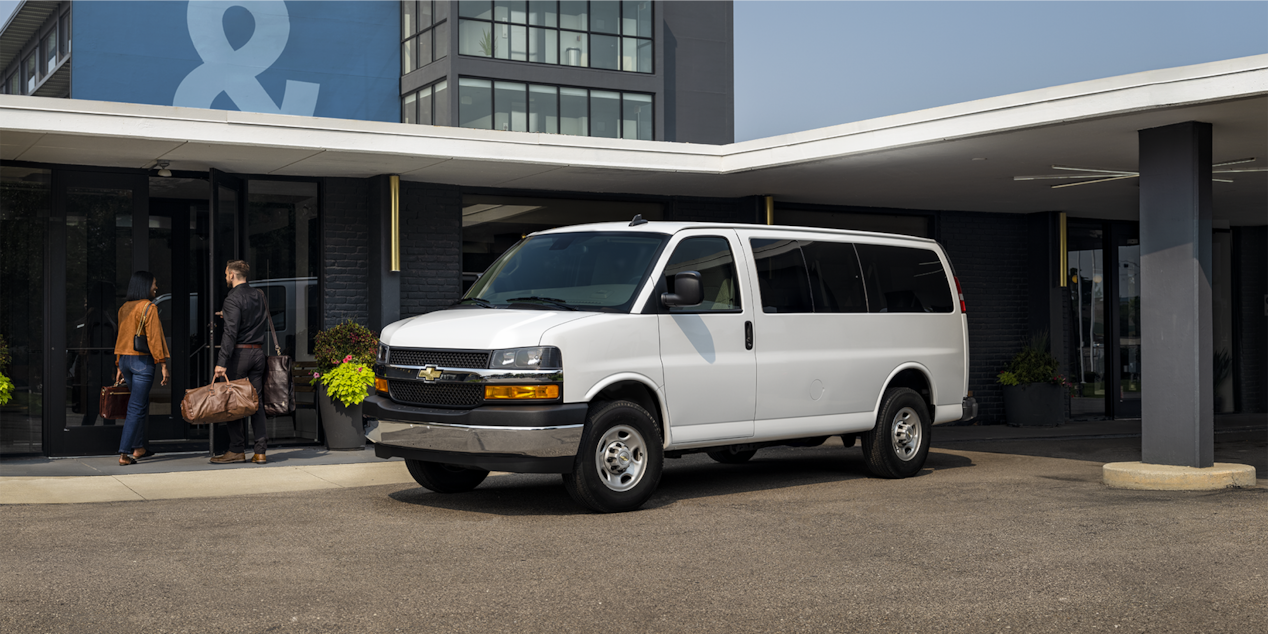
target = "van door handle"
x: 748, y: 335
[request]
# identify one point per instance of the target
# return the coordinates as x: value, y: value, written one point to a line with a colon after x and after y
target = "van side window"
x: 904, y: 280
x: 277, y: 306
x: 712, y: 258
x: 836, y: 285
x: 782, y: 279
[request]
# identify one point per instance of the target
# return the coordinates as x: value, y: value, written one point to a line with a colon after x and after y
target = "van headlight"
x: 382, y: 358
x: 539, y: 358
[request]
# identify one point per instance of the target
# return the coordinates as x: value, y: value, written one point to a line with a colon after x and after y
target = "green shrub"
x: 348, y: 383
x: 335, y: 344
x: 4, y: 353
x: 1033, y: 364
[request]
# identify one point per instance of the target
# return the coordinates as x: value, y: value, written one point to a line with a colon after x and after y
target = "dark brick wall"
x: 712, y: 209
x: 346, y: 250
x: 989, y: 253
x: 431, y: 247
x: 1251, y: 273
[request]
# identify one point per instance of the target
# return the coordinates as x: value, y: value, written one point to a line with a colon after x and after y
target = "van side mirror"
x: 688, y: 290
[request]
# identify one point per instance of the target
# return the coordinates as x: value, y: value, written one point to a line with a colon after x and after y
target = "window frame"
x: 620, y: 122
x: 587, y: 52
x: 415, y: 37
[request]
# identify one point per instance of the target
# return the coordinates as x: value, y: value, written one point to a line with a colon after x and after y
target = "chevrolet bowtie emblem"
x: 430, y: 373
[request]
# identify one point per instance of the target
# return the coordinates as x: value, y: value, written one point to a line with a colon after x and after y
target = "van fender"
x: 635, y: 377
x: 910, y: 365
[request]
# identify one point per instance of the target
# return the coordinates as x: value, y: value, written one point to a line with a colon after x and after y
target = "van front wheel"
x: 445, y: 478
x: 619, y: 461
x: 899, y: 443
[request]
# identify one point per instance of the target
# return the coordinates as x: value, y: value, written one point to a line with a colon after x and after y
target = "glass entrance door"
x: 1086, y: 258
x: 100, y: 222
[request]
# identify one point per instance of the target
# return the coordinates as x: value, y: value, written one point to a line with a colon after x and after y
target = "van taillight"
x: 960, y: 291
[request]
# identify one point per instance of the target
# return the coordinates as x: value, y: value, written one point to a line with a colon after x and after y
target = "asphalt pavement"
x: 1005, y: 530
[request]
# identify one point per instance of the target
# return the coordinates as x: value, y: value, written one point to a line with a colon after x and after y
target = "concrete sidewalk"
x: 189, y: 475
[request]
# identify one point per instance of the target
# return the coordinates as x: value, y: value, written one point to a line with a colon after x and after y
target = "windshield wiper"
x: 546, y: 300
x: 483, y: 303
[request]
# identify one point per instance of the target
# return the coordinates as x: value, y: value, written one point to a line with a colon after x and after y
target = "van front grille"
x: 436, y: 394
x: 470, y: 359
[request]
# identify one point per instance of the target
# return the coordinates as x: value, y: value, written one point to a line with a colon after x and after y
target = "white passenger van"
x: 596, y: 351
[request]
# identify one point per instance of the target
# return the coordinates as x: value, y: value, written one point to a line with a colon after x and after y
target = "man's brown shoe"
x: 229, y: 457
x: 259, y: 458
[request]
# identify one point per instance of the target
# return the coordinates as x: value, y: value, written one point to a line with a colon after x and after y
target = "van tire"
x: 899, y: 443
x: 619, y: 460
x: 445, y: 478
x: 728, y: 455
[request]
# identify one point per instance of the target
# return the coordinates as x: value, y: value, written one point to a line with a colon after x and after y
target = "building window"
x: 65, y: 33
x: 32, y: 68
x: 520, y: 107
x: 50, y: 52
x: 607, y: 35
x: 427, y: 106
x: 424, y: 34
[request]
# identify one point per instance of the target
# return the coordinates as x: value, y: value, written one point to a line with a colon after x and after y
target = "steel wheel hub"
x: 906, y: 434
x: 621, y: 458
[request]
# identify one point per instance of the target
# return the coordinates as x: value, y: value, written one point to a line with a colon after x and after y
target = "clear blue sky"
x: 805, y: 65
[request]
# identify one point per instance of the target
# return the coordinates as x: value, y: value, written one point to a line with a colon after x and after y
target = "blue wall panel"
x: 325, y: 59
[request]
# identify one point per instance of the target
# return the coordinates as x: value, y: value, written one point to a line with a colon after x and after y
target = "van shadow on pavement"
x: 693, y: 476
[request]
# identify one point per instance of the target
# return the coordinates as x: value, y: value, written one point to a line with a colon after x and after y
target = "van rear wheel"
x: 445, y: 478
x: 899, y: 443
x: 620, y: 458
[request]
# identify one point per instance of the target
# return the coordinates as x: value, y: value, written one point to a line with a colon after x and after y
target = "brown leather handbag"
x: 279, y: 388
x: 219, y: 402
x: 114, y: 401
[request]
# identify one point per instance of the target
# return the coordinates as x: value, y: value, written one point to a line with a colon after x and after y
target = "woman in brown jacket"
x: 139, y: 316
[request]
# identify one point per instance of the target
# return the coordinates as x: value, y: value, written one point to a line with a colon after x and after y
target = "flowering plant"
x: 348, y: 382
x: 6, y: 386
x: 334, y: 345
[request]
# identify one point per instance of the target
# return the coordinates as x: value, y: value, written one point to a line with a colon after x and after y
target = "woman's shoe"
x: 126, y: 459
x: 147, y: 454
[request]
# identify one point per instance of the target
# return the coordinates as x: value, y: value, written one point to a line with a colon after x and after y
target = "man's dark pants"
x: 248, y: 363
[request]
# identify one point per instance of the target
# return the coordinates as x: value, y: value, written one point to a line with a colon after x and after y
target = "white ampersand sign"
x: 234, y: 72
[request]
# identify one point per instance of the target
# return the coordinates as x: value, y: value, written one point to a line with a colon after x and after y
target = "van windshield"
x: 569, y: 271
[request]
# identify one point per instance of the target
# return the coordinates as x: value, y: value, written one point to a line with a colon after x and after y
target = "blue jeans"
x: 138, y: 371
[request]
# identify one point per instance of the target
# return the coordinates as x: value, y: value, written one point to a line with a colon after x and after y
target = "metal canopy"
x: 959, y: 157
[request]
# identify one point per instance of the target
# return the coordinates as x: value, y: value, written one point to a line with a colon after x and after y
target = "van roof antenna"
x: 638, y: 220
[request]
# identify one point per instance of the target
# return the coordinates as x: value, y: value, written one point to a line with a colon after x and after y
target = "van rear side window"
x: 904, y: 280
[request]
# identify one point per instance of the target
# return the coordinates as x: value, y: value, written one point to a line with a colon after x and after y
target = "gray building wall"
x: 431, y: 247
x: 699, y: 68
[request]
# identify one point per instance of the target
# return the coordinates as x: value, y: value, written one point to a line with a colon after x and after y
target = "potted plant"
x: 344, y: 376
x: 6, y: 386
x: 1035, y: 392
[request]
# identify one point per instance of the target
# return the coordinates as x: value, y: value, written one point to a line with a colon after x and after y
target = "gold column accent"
x: 395, y: 182
x: 1065, y: 254
x: 770, y: 210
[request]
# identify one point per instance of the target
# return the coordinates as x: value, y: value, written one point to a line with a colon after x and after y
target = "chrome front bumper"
x: 531, y: 442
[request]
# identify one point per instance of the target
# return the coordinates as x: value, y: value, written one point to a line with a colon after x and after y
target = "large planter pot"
x: 344, y: 428
x: 1035, y: 405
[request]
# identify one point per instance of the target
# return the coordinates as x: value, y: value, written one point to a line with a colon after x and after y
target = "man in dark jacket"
x: 242, y: 356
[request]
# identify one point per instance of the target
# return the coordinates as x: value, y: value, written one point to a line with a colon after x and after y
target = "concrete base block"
x: 1160, y: 477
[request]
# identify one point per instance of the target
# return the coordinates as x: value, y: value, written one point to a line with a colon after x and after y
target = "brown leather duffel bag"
x: 219, y: 402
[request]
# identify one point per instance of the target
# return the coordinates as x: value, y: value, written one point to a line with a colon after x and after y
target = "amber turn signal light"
x: 520, y: 392
x: 380, y: 385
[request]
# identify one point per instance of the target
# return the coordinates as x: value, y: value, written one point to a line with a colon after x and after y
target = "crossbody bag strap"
x: 268, y: 316
x: 145, y: 313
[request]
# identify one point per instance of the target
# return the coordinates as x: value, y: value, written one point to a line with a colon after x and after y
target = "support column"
x: 1175, y: 262
x: 385, y: 284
